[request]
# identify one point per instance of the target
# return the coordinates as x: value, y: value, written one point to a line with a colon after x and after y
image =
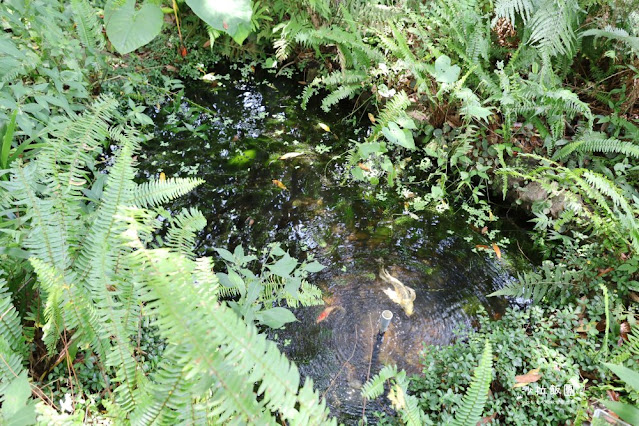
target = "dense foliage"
x: 104, y: 307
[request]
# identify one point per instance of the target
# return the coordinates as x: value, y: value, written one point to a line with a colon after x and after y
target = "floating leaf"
x: 291, y: 155
x: 371, y: 117
x: 279, y: 184
x: 162, y: 177
x: 497, y: 251
x: 324, y: 127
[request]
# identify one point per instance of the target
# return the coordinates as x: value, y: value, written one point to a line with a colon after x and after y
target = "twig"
x: 330, y: 385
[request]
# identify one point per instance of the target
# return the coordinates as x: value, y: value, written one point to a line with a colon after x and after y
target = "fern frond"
x: 594, y: 144
x: 87, y: 25
x: 216, y: 335
x: 184, y: 227
x: 552, y: 27
x: 10, y: 327
x: 613, y: 33
x: 153, y: 193
x: 374, y: 388
x: 509, y: 9
x: 394, y: 109
x: 547, y: 282
x: 469, y: 412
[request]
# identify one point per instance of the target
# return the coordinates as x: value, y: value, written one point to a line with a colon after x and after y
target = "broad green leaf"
x: 627, y: 412
x: 7, y: 138
x: 444, y: 72
x: 231, y: 16
x: 276, y: 317
x: 314, y: 266
x: 630, y: 377
x: 368, y: 148
x: 402, y: 137
x: 128, y: 28
x: 225, y: 254
x: 284, y: 266
x: 16, y: 408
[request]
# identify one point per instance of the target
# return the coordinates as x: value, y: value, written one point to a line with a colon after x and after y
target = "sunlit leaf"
x: 128, y: 28
x: 232, y: 17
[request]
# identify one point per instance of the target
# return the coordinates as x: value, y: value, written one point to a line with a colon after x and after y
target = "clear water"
x: 250, y: 123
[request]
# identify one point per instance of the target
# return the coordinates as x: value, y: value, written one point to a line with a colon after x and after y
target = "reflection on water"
x: 236, y: 151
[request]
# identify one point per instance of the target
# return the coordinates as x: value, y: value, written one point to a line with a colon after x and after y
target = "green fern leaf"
x: 469, y: 412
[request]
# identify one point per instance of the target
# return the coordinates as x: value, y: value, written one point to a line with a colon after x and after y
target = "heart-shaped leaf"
x: 230, y: 16
x: 128, y: 28
x: 403, y: 137
x: 444, y: 72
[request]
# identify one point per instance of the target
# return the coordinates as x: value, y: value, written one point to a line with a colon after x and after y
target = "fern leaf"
x: 157, y: 192
x: 593, y: 144
x: 87, y: 25
x: 472, y: 405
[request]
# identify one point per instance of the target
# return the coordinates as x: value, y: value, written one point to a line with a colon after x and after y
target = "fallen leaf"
x: 170, y: 68
x: 497, y: 251
x: 162, y: 177
x: 303, y: 83
x: 183, y: 51
x: 481, y: 246
x: 484, y: 230
x: 487, y: 419
x: 207, y: 43
x: 530, y: 377
x: 371, y: 117
x: 324, y: 127
x: 290, y: 155
x: 603, y: 272
x: 614, y: 396
x: 279, y: 184
x: 364, y: 167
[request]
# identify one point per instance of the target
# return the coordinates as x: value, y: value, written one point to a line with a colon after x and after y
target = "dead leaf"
x: 497, y: 251
x: 481, y: 246
x: 530, y: 377
x: 279, y: 184
x: 614, y: 396
x: 290, y: 155
x: 364, y: 167
x: 603, y: 272
x: 484, y: 230
x: 207, y: 43
x: 170, y: 68
x: 371, y: 117
x: 183, y: 51
x: 324, y: 127
x: 487, y: 419
x: 303, y: 83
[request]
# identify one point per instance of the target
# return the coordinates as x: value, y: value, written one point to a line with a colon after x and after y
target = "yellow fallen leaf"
x: 497, y: 251
x: 291, y: 155
x: 530, y: 377
x: 371, y: 117
x: 162, y: 177
x: 324, y: 127
x: 279, y: 184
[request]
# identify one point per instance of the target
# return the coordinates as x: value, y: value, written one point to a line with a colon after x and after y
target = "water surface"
x: 235, y: 147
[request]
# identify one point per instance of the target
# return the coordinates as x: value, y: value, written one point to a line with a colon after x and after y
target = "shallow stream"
x: 235, y: 147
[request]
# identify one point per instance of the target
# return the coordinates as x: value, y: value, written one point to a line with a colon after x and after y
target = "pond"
x: 251, y: 197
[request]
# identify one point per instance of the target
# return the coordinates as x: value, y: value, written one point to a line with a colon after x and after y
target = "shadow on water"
x: 236, y: 147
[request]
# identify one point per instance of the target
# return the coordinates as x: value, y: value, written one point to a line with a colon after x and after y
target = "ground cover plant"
x: 472, y: 105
